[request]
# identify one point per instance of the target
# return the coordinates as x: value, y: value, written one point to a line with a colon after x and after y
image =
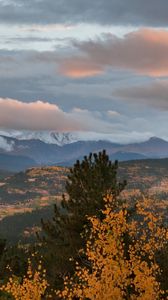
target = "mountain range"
x: 21, y: 150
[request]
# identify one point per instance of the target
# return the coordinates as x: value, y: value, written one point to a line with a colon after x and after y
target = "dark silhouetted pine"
x: 2, y: 247
x: 89, y: 181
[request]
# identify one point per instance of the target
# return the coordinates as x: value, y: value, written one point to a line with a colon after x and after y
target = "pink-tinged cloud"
x: 36, y: 116
x: 78, y: 68
x: 144, y: 51
x: 39, y: 115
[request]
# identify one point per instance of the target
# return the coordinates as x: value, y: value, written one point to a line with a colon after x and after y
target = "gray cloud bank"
x: 117, y: 12
x: 153, y: 94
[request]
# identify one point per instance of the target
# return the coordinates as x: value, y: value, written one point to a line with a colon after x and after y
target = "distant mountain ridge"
x: 56, y: 138
x: 62, y: 138
x: 15, y: 163
x: 38, y: 149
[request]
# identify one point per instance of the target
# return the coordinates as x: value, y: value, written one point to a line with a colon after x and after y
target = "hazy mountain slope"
x: 47, y: 153
x: 15, y: 163
x: 153, y: 147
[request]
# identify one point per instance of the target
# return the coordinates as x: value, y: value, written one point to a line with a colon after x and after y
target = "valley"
x: 34, y: 188
x: 26, y: 197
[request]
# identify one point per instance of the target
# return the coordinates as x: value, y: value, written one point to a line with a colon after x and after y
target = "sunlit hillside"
x: 28, y: 196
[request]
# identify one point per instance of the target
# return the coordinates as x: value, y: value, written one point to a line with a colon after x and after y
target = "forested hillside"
x: 103, y: 239
x: 37, y: 190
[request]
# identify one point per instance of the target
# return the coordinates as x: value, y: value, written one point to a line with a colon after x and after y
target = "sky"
x: 90, y: 66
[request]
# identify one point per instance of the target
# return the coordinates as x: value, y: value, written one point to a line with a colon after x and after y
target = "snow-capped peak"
x: 5, y: 145
x: 48, y: 137
x: 57, y: 138
x: 63, y: 138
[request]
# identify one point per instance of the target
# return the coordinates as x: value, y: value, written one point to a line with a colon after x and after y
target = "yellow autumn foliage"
x: 119, y: 260
x: 120, y: 257
x: 32, y: 287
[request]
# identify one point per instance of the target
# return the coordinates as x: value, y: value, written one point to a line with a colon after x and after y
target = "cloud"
x: 152, y: 94
x: 47, y: 27
x: 143, y: 52
x: 27, y: 39
x: 94, y: 120
x: 37, y: 115
x: 22, y: 64
x: 151, y: 12
x: 4, y: 145
x: 112, y: 113
x: 78, y: 68
x: 30, y: 75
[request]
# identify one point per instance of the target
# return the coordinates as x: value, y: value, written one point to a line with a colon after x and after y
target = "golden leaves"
x: 121, y: 253
x: 119, y: 260
x: 32, y: 287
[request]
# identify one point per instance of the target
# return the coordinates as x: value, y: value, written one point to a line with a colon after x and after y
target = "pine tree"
x: 2, y: 247
x: 87, y: 184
